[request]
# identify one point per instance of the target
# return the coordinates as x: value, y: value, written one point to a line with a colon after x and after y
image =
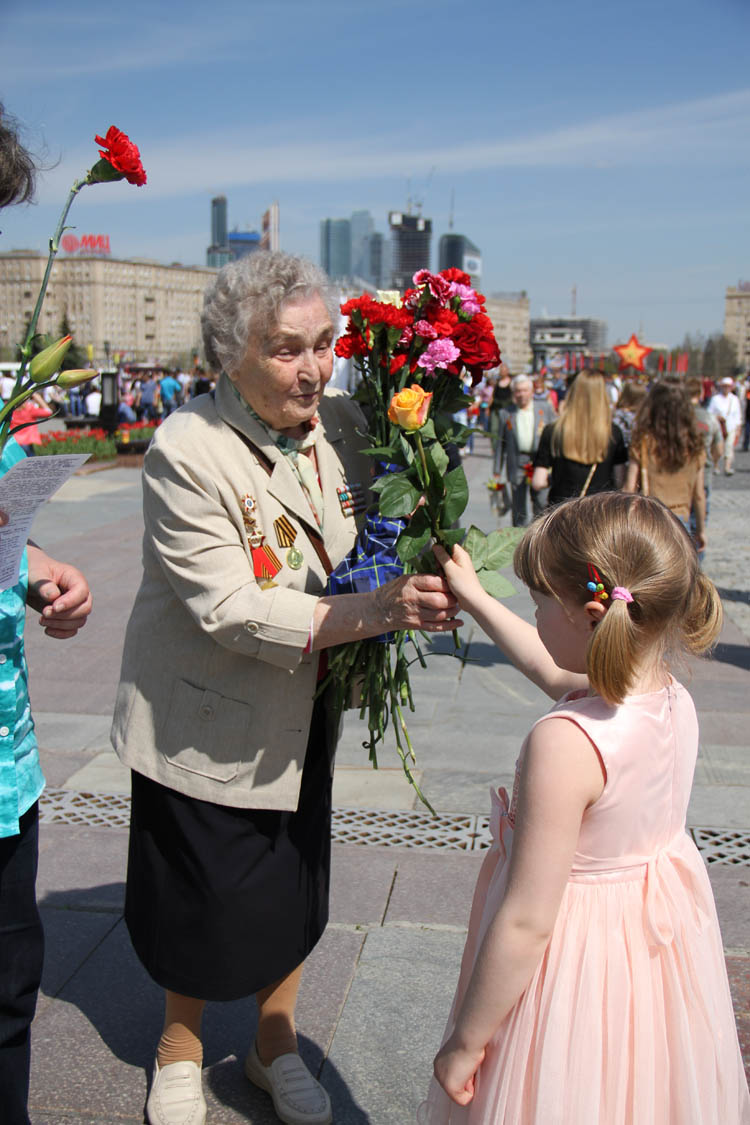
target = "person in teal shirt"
x: 61, y: 594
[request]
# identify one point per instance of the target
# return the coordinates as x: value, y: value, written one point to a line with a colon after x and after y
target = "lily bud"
x: 73, y: 378
x: 47, y: 362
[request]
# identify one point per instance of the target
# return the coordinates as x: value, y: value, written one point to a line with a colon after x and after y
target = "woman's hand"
x: 461, y: 576
x: 455, y: 1068
x: 416, y: 601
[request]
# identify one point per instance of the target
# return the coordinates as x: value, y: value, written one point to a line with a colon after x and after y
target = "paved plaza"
x: 377, y: 989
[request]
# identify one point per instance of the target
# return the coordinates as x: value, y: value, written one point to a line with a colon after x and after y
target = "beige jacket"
x: 215, y: 694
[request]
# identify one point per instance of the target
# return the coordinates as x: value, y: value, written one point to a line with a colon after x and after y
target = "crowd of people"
x: 593, y: 986
x: 553, y: 440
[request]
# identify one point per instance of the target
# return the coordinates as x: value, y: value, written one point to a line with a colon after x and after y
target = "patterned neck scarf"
x: 295, y: 450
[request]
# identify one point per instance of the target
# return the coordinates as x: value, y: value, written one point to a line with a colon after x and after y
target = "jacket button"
x: 206, y: 712
x: 251, y: 626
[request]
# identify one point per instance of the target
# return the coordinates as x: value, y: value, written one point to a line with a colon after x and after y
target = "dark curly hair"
x: 17, y: 168
x: 666, y: 422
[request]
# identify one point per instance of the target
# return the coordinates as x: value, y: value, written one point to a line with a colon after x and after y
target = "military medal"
x: 351, y: 498
x: 294, y: 558
x: 266, y: 564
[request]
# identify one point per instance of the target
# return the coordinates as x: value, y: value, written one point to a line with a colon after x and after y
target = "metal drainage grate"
x: 92, y: 810
x: 723, y: 845
x: 452, y: 832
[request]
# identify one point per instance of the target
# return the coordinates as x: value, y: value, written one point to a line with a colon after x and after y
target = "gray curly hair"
x: 246, y: 297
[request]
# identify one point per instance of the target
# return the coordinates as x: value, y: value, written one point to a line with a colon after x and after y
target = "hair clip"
x: 595, y: 585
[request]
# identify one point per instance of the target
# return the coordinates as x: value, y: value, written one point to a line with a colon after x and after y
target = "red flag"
x: 661, y: 363
x: 669, y: 363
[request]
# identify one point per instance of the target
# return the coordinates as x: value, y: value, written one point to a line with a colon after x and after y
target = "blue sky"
x: 602, y: 145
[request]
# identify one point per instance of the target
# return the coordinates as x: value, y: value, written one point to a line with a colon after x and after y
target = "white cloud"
x: 685, y: 133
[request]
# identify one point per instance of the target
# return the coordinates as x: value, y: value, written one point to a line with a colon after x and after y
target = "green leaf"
x: 406, y: 449
x: 428, y: 430
x: 415, y: 536
x: 501, y: 546
x: 496, y: 585
x: 476, y: 546
x: 456, y: 496
x: 452, y: 535
x: 398, y: 496
x: 436, y: 458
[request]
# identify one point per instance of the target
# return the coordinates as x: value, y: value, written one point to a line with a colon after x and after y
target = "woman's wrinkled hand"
x: 417, y: 601
x: 455, y: 1068
x: 460, y: 574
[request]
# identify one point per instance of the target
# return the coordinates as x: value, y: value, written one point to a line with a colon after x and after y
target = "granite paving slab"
x: 361, y: 883
x: 82, y: 868
x: 392, y: 1024
x: 731, y: 887
x: 433, y: 888
x: 71, y: 936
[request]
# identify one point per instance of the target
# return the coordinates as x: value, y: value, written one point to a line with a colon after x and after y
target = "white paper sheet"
x: 23, y: 489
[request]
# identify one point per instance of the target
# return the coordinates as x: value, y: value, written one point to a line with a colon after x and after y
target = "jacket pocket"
x: 205, y: 732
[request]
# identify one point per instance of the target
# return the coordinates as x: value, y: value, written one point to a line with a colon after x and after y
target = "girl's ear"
x: 594, y: 612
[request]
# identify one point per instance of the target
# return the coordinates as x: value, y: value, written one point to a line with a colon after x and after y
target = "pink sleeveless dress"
x: 628, y: 1018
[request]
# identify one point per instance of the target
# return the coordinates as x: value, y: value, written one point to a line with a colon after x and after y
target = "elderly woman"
x: 247, y: 507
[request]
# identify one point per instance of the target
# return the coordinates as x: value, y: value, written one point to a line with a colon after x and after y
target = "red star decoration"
x: 632, y: 354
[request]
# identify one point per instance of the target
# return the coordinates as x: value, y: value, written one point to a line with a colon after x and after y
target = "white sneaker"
x: 176, y: 1096
x: 297, y: 1097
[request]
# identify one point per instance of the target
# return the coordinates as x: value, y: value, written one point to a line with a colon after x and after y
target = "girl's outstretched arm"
x: 561, y: 775
x: 515, y: 637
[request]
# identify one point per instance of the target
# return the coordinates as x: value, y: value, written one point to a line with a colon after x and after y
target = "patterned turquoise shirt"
x: 21, y: 778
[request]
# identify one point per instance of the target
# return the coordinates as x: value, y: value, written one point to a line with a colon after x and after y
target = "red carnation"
x: 349, y: 345
x: 458, y: 276
x: 123, y: 155
x: 444, y: 321
x: 476, y: 340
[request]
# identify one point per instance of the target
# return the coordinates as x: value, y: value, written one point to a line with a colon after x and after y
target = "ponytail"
x: 703, y: 618
x: 613, y: 650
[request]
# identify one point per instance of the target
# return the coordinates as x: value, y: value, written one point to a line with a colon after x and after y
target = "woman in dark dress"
x: 583, y: 451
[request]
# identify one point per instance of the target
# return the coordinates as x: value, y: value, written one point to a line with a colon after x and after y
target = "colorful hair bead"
x: 595, y: 585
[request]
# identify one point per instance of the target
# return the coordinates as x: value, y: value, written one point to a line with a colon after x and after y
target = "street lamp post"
x: 110, y: 401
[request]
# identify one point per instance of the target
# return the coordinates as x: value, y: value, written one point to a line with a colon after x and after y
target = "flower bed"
x: 97, y: 442
x: 134, y: 437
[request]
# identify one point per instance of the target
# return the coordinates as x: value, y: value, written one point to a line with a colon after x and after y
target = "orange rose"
x: 410, y: 407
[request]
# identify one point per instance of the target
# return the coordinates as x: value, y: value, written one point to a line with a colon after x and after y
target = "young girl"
x: 593, y: 989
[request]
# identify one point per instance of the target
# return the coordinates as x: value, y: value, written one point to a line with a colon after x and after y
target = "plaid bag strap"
x: 314, y: 536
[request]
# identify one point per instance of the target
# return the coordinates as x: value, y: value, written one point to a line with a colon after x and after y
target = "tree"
x: 75, y: 357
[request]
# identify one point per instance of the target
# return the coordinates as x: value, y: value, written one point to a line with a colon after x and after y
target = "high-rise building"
x: 456, y: 251
x: 218, y: 253
x: 410, y: 239
x: 219, y: 221
x: 737, y: 321
x: 336, y: 248
x: 362, y: 229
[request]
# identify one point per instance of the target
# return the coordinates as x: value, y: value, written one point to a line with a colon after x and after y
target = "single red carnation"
x: 444, y: 321
x: 477, y: 343
x: 350, y: 345
x: 458, y: 276
x: 123, y: 155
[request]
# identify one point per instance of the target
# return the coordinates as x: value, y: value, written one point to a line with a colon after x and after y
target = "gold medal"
x: 294, y: 558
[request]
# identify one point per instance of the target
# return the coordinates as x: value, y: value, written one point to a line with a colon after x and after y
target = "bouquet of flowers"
x: 119, y: 160
x: 412, y: 353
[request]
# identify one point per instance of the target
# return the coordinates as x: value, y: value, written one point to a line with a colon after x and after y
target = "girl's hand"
x: 460, y: 574
x: 455, y: 1068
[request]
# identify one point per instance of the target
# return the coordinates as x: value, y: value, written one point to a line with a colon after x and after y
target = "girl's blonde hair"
x: 632, y: 541
x: 584, y: 429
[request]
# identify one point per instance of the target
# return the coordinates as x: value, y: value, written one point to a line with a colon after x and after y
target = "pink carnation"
x: 468, y: 298
x: 439, y: 353
x: 424, y: 328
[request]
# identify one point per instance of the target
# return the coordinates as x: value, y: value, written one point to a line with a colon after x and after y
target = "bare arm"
x: 631, y: 476
x: 540, y: 478
x: 515, y: 637
x: 561, y: 776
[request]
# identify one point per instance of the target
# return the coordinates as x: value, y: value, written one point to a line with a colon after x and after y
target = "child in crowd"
x: 593, y: 988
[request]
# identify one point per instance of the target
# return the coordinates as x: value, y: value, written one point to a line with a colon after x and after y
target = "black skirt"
x: 221, y: 901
